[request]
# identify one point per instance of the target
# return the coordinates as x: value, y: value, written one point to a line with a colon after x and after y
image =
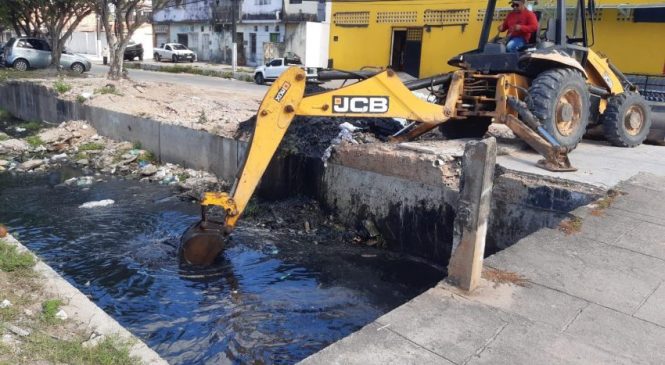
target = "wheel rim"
x: 633, y: 120
x: 77, y: 68
x: 21, y: 66
x: 568, y: 112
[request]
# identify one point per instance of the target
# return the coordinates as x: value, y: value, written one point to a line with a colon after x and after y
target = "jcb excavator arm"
x: 380, y: 96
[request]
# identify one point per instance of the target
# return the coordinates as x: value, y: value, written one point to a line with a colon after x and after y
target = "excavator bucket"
x: 205, y: 240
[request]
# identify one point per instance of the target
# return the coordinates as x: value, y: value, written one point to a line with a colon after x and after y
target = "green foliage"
x: 61, y: 87
x: 182, y: 176
x: 148, y: 156
x: 81, y: 99
x: 137, y: 145
x: 108, y: 89
x: 91, y: 146
x: 32, y: 126
x: 110, y: 351
x: 34, y: 141
x: 4, y: 137
x: 12, y: 260
x: 49, y: 309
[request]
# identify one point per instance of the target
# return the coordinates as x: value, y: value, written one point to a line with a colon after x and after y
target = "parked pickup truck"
x: 271, y: 70
x: 174, y: 52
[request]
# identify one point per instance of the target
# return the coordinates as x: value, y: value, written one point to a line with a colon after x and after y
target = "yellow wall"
x: 634, y: 47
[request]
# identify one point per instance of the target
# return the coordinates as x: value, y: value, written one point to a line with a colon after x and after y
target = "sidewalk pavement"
x: 592, y: 297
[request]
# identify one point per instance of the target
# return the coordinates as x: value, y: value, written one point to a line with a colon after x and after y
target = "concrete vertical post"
x: 466, y: 262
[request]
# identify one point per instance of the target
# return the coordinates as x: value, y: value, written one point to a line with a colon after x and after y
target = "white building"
x: 264, y: 28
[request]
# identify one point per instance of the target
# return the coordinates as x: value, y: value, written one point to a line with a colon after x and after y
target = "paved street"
x: 204, y: 82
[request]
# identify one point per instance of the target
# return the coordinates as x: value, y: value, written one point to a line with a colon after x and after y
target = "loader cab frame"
x: 553, y: 36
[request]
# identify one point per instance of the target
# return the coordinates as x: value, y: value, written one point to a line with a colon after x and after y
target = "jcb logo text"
x: 360, y: 104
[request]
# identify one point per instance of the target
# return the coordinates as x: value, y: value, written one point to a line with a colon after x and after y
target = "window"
x: 22, y: 43
x: 274, y: 37
x: 295, y: 1
x: 266, y: 28
x: 256, y: 28
x: 277, y: 62
x: 168, y: 48
x: 38, y: 44
x: 277, y: 28
x: 262, y: 2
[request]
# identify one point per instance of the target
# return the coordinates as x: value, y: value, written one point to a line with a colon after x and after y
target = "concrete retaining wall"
x: 170, y: 143
x: 411, y: 198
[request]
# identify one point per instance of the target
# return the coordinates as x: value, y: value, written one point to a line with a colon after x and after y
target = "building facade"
x: 264, y: 29
x: 419, y: 36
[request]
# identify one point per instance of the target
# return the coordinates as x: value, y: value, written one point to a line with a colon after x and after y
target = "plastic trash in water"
x: 97, y: 204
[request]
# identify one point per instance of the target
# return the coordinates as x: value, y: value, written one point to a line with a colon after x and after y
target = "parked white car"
x: 271, y: 70
x: 174, y: 52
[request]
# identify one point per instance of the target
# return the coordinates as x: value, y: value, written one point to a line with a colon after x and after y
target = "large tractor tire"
x: 626, y: 120
x: 472, y: 127
x: 560, y: 99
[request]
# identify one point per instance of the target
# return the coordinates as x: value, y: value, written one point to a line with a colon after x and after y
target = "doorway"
x: 183, y: 39
x: 406, y: 50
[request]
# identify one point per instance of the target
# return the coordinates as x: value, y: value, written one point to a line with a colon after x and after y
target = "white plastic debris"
x: 61, y: 315
x: 349, y: 127
x: 19, y: 129
x: 62, y: 156
x: 5, y: 304
x: 97, y: 204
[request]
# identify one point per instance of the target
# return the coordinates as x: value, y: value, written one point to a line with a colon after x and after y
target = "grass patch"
x: 182, y: 176
x: 4, y: 137
x: 12, y: 260
x: 49, y: 309
x: 503, y: 277
x: 137, y: 145
x: 34, y: 141
x: 61, y: 87
x: 91, y: 146
x: 110, y: 351
x: 108, y: 89
x: 148, y: 156
x: 32, y: 126
x: 571, y: 225
x: 80, y: 99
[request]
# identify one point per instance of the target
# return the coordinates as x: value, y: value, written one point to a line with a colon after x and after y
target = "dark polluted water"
x: 271, y: 297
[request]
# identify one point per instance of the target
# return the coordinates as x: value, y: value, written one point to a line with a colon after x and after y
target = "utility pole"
x: 234, y: 46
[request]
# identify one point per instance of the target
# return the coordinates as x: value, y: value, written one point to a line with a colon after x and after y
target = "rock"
x: 30, y: 164
x: 60, y: 157
x: 4, y: 163
x: 97, y: 204
x: 71, y: 181
x: 14, y: 146
x: 28, y: 312
x: 148, y: 170
x: 4, y: 136
x: 53, y: 135
x: 39, y: 149
x: 94, y: 340
x: 83, y: 162
x: 371, y: 228
x: 5, y: 304
x: 128, y: 158
x: 17, y: 330
x: 2, y: 169
x: 3, y: 231
x: 61, y: 315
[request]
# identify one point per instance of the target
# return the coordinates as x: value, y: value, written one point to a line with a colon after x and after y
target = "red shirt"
x: 527, y: 21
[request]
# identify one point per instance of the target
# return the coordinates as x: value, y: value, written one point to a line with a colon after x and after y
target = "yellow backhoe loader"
x: 546, y: 94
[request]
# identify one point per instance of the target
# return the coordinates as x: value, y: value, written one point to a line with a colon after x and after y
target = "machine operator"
x: 520, y: 24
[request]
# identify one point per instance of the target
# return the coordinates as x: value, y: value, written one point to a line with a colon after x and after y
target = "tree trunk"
x: 117, y: 53
x: 56, y: 52
x: 116, y: 58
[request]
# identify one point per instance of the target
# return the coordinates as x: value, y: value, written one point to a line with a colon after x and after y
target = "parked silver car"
x: 26, y: 52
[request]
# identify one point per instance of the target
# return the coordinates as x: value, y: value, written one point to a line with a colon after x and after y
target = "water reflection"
x: 271, y: 297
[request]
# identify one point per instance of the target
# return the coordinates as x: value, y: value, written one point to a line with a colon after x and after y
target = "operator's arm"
x: 504, y: 26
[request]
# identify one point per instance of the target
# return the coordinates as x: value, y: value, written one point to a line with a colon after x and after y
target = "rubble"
x: 97, y: 204
x: 77, y: 144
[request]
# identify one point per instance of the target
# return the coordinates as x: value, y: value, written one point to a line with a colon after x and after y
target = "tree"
x: 53, y: 19
x: 60, y: 18
x: 22, y: 16
x: 121, y: 18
